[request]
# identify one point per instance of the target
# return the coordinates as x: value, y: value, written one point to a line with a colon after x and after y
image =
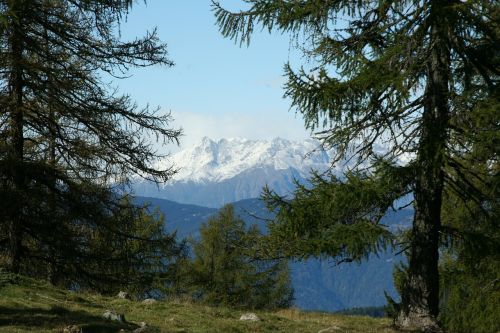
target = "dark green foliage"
x: 471, y: 295
x: 400, y: 276
x: 338, y: 218
x: 225, y: 270
x: 125, y: 247
x: 133, y: 252
x: 408, y: 74
x: 470, y: 269
x: 70, y: 143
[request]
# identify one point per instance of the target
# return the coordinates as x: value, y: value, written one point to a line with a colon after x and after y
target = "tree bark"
x: 420, y: 296
x: 52, y: 273
x: 17, y: 139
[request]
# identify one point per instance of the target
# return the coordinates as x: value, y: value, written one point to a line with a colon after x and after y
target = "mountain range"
x: 214, y: 173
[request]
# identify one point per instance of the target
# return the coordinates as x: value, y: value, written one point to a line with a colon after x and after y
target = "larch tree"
x: 68, y: 138
x: 470, y: 264
x: 411, y: 75
x: 226, y: 269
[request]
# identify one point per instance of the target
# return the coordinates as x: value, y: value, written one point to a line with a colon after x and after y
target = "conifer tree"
x: 470, y: 269
x: 135, y: 253
x: 407, y: 74
x: 224, y: 270
x: 69, y: 141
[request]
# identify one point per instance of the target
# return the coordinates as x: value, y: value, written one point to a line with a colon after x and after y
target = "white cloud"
x: 258, y: 125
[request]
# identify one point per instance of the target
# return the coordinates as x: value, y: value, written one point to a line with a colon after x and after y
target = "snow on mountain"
x: 216, y: 161
x: 213, y: 173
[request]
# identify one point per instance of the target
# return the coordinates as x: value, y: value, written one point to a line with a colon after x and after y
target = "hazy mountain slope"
x: 247, y: 184
x: 182, y: 218
x: 319, y: 285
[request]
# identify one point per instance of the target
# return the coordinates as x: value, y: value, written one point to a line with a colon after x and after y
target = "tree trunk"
x: 52, y: 273
x: 420, y: 296
x: 17, y: 141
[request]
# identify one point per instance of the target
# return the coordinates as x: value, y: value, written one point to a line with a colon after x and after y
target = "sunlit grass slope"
x: 27, y: 305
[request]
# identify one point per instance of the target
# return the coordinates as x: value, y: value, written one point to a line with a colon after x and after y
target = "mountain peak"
x: 206, y: 140
x: 213, y: 161
x: 215, y: 172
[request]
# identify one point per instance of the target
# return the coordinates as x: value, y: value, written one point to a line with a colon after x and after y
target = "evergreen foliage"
x: 225, y: 270
x: 66, y: 136
x: 359, y: 202
x: 470, y: 269
x: 413, y: 75
x: 133, y: 252
x: 470, y: 295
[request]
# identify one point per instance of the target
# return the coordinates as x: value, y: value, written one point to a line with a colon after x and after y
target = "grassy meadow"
x: 28, y: 305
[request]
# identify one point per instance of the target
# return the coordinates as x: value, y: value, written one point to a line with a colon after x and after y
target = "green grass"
x: 32, y: 306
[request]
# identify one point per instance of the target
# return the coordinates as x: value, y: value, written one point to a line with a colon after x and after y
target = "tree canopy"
x: 225, y: 269
x: 414, y: 76
x: 69, y: 141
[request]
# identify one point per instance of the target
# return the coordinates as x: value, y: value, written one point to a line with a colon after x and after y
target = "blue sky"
x: 216, y: 88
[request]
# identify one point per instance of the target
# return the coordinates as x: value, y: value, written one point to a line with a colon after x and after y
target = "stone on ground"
x: 142, y: 329
x: 72, y: 329
x: 149, y: 301
x: 113, y: 316
x: 123, y: 295
x: 249, y: 317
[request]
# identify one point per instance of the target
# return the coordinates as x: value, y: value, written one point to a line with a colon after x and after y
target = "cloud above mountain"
x: 263, y: 125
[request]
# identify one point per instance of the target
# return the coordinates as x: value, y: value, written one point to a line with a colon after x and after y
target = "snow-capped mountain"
x: 213, y: 173
x: 216, y: 161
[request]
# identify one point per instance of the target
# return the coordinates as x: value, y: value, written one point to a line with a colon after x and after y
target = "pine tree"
x: 224, y: 270
x: 70, y: 142
x: 407, y: 74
